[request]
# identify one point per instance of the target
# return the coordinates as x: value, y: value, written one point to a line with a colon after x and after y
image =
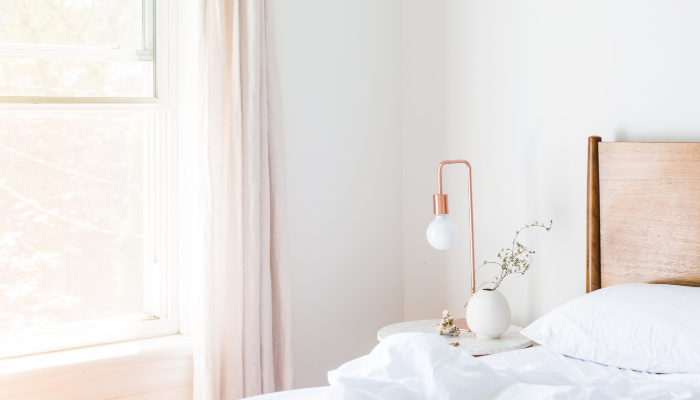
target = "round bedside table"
x: 511, y: 340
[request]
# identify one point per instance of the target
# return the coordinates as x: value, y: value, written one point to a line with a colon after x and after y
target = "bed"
x: 634, y: 335
x: 541, y: 362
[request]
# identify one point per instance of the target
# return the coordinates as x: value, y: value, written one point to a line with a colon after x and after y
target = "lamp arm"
x: 471, y: 212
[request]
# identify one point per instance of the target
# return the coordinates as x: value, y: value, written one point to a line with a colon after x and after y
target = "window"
x: 87, y: 183
x: 76, y: 48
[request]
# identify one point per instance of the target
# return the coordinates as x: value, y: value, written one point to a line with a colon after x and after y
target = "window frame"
x: 162, y: 282
x: 151, y: 35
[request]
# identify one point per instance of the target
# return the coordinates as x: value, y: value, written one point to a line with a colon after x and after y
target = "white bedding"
x: 421, y: 366
x: 639, y: 326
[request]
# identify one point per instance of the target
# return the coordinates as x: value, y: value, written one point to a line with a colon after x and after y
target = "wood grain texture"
x: 593, y: 218
x: 649, y: 213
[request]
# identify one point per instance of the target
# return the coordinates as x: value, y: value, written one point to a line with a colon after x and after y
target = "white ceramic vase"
x: 488, y: 314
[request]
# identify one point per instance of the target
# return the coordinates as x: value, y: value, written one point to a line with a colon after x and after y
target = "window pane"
x: 72, y: 22
x: 74, y: 48
x: 71, y: 224
x: 75, y: 78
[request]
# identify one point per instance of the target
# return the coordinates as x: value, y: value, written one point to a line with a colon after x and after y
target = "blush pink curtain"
x: 242, y: 345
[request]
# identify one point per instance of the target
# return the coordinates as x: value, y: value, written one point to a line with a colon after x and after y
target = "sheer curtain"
x: 242, y: 326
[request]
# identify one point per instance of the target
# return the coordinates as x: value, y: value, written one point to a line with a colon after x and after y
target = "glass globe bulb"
x: 442, y: 233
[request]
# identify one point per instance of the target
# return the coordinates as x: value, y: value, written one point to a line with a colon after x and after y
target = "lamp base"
x: 462, y: 324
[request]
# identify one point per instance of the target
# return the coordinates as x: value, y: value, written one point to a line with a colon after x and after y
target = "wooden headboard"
x: 643, y: 217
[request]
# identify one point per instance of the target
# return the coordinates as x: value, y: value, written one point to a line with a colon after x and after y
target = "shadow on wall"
x: 626, y: 136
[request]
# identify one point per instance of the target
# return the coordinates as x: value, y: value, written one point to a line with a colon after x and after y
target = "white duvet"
x: 421, y: 366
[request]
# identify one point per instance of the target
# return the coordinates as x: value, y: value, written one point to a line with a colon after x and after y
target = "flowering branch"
x: 516, y: 259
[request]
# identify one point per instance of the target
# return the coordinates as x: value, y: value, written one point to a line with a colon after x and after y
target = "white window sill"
x: 100, y: 372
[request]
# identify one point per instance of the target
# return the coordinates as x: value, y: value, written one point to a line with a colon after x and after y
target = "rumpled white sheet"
x: 421, y: 366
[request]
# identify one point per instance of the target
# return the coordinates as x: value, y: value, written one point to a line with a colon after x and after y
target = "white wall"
x: 341, y: 81
x: 516, y: 88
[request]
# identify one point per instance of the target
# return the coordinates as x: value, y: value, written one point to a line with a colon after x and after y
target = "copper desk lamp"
x: 442, y: 233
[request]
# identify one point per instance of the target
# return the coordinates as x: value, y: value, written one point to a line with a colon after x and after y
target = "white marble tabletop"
x: 511, y: 340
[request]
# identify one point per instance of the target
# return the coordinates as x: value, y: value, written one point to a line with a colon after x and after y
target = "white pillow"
x: 638, y: 326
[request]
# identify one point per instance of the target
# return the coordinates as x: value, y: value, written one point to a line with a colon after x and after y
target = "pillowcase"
x: 638, y: 326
